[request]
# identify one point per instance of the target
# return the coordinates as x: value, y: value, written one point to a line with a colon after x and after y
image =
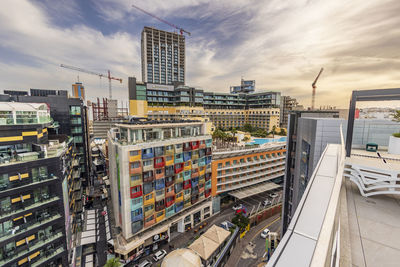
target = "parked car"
x: 159, y: 255
x: 264, y: 233
x: 226, y: 225
x: 273, y: 195
x: 144, y: 263
x: 267, y: 202
x: 237, y: 207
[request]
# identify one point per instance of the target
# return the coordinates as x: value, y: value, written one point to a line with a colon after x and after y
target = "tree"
x: 282, y: 132
x: 246, y: 139
x: 241, y: 221
x: 273, y: 131
x: 396, y: 118
x: 248, y: 128
x: 114, y: 262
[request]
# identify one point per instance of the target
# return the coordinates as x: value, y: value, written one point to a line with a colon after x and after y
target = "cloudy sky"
x: 281, y: 44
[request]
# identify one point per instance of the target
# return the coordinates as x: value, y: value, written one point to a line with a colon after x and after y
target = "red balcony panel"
x: 136, y: 191
x: 179, y: 167
x: 159, y: 162
x: 195, y: 144
x: 187, y: 184
x: 169, y: 201
x: 207, y: 193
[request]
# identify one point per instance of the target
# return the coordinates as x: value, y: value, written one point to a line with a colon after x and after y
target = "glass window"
x: 135, y: 165
x: 75, y: 110
x: 149, y: 196
x: 228, y: 163
x: 137, y: 201
x: 135, y: 177
x: 147, y: 162
x: 134, y: 153
x: 3, y: 181
x: 159, y: 160
x: 219, y: 165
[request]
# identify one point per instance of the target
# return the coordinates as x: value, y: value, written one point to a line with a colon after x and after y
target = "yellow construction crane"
x: 314, y: 86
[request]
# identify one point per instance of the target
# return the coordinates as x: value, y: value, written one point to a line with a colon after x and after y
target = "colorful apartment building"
x: 237, y: 169
x: 160, y: 176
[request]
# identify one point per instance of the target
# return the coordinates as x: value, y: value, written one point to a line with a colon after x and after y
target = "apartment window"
x: 136, y: 189
x: 227, y: 164
x: 241, y: 160
x: 255, y: 158
x: 137, y: 201
x: 249, y: 159
x: 159, y: 160
x: 78, y: 139
x: 170, y: 189
x: 149, y: 196
x: 135, y: 177
x: 168, y: 158
x: 159, y: 171
x: 135, y: 165
x: 148, y: 207
x: 134, y: 153
x: 159, y: 192
x: 219, y: 173
x: 147, y: 162
x: 235, y: 162
x: 75, y: 110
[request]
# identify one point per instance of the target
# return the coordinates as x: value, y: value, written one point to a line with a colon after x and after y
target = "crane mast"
x: 108, y: 76
x: 314, y: 87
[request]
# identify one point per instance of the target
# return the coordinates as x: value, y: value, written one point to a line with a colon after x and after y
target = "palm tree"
x: 273, y: 131
x: 234, y: 132
x: 114, y: 262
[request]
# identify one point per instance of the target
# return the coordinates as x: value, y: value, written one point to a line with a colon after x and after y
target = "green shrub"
x: 396, y: 135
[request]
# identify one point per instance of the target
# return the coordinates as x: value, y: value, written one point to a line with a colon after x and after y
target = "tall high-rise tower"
x: 163, y: 56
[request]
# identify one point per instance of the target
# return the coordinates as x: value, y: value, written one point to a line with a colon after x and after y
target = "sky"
x: 280, y: 44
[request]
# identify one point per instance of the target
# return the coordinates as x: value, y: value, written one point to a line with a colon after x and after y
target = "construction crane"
x: 314, y: 86
x: 108, y: 76
x: 181, y: 30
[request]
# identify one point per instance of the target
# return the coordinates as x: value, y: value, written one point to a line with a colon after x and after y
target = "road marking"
x: 262, y: 229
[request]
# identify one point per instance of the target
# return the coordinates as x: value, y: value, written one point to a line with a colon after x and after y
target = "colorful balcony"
x: 187, y: 146
x: 195, y: 144
x: 195, y: 173
x: 169, y: 150
x: 159, y: 162
x: 169, y: 160
x: 136, y: 179
x: 178, y: 187
x: 202, y: 171
x: 169, y: 191
x: 201, y: 189
x: 135, y: 167
x: 178, y: 206
x: 148, y: 176
x: 187, y: 156
x: 202, y: 161
x: 170, y: 180
x: 195, y: 155
x: 136, y: 203
x: 207, y: 192
x: 195, y: 182
x: 147, y: 167
x: 187, y: 166
x: 148, y: 210
x: 159, y: 173
x: 187, y: 195
x: 179, y: 178
x: 202, y: 180
x: 160, y: 205
x: 208, y: 160
x: 207, y: 176
x: 136, y: 191
x: 195, y: 164
x: 187, y: 175
x: 209, y: 143
x: 208, y: 168
x: 148, y: 199
x: 160, y: 216
x: 178, y: 168
x: 202, y: 144
x: 208, y: 184
x: 169, y: 201
x: 137, y: 215
x: 179, y: 197
x: 160, y: 195
x: 149, y: 221
x: 135, y: 157
x: 170, y: 211
x: 208, y: 151
x: 202, y: 153
x: 160, y: 184
x: 169, y: 170
x: 147, y: 153
x: 187, y: 184
x: 178, y: 148
x: 159, y: 151
x: 187, y: 203
x: 178, y: 158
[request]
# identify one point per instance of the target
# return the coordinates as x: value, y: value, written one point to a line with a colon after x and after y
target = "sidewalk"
x: 241, y: 245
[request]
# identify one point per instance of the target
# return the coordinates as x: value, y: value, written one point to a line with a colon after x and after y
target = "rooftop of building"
x: 18, y: 106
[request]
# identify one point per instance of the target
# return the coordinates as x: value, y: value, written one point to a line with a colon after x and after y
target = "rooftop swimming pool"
x: 260, y: 141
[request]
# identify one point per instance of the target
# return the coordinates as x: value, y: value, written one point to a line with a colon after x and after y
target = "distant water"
x: 260, y: 141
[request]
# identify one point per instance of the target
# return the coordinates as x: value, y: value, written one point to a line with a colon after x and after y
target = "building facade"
x: 287, y: 104
x: 35, y: 169
x: 246, y: 86
x: 235, y: 169
x: 160, y: 174
x: 69, y: 116
x: 224, y: 110
x: 163, y: 56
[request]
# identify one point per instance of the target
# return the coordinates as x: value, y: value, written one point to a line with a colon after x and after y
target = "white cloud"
x: 280, y: 44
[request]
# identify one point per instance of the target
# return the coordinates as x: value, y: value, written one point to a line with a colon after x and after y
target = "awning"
x: 253, y: 190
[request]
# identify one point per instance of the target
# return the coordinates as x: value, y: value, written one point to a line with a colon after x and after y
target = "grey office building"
x: 308, y: 134
x: 163, y: 56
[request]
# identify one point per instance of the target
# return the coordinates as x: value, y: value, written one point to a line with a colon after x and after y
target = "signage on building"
x: 152, y: 86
